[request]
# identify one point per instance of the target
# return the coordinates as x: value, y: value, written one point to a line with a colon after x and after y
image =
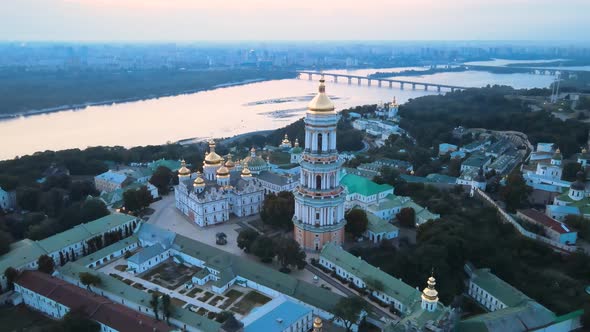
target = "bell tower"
x: 319, y: 199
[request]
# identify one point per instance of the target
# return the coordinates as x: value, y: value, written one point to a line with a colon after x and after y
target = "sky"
x: 196, y: 20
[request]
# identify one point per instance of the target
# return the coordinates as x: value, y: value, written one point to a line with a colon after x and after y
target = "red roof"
x: 545, y: 220
x: 98, y: 308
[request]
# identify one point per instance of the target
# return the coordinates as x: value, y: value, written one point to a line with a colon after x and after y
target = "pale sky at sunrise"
x: 178, y: 20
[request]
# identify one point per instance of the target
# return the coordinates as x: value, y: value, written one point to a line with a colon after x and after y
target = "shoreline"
x: 82, y: 106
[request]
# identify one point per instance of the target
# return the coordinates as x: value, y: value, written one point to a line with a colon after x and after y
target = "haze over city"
x: 187, y: 20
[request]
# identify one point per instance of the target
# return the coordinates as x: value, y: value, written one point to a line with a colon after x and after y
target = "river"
x: 222, y: 112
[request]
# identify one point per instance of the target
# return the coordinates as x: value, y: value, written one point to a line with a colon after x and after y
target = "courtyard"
x: 174, y: 280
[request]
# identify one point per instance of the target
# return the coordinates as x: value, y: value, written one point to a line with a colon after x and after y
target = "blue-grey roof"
x: 111, y: 176
x: 145, y: 254
x: 153, y: 234
x: 563, y: 209
x: 277, y: 319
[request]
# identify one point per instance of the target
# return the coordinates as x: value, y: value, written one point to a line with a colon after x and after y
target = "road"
x: 336, y: 284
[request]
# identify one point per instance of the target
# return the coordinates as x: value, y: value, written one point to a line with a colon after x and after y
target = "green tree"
x: 162, y: 178
x: 263, y: 248
x: 46, y: 264
x: 289, y: 253
x: 570, y: 169
x: 374, y: 284
x: 246, y: 238
x: 407, y: 217
x: 93, y: 209
x: 515, y: 193
x: 131, y: 201
x: 11, y: 274
x: 356, y: 222
x: 28, y: 198
x: 349, y: 310
x: 155, y: 304
x: 277, y: 210
x: 166, y: 307
x: 76, y: 320
x: 5, y: 241
x: 89, y: 279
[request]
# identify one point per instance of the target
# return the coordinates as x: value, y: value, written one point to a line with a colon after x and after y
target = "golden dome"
x: 296, y: 142
x: 321, y: 102
x: 317, y: 323
x: 212, y: 158
x: 429, y: 293
x: 199, y: 181
x: 230, y: 163
x: 245, y: 171
x: 184, y: 171
x: 584, y: 150
x: 286, y: 140
x: 222, y: 171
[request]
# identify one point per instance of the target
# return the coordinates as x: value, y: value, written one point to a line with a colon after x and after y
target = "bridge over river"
x: 381, y: 81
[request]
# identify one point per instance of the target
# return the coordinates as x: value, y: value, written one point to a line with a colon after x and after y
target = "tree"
x: 5, y: 241
x: 46, y: 264
x: 349, y: 310
x: 570, y: 169
x: 356, y: 222
x: 166, y: 307
x: 161, y: 179
x: 289, y: 253
x: 374, y: 284
x: 76, y: 320
x: 28, y: 198
x: 407, y: 217
x: 93, y: 209
x: 155, y: 303
x: 263, y: 248
x: 515, y: 193
x: 11, y: 274
x: 277, y: 210
x: 89, y: 279
x: 246, y: 238
x: 135, y: 200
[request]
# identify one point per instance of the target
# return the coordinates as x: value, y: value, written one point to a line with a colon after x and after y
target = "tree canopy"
x: 356, y: 222
x: 278, y: 209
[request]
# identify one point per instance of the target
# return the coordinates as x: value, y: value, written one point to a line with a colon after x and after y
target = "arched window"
x: 319, y: 143
x: 318, y: 182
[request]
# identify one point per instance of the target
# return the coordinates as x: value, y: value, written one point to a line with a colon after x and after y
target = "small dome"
x: 246, y: 171
x: 317, y: 323
x: 212, y: 158
x: 230, y: 163
x: 579, y: 183
x: 286, y: 140
x: 199, y: 181
x: 557, y: 155
x: 429, y: 293
x: 321, y: 102
x: 184, y: 171
x: 222, y: 171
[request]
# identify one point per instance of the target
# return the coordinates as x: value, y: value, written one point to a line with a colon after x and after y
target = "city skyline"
x: 182, y: 20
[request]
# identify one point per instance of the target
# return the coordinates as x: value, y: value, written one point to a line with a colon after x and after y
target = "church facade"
x: 319, y: 199
x: 222, y: 190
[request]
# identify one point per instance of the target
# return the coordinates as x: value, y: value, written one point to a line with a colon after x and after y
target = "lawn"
x: 21, y: 318
x: 205, y: 297
x: 249, y: 302
x: 193, y: 292
x: 232, y: 295
x: 121, y: 268
x: 216, y: 300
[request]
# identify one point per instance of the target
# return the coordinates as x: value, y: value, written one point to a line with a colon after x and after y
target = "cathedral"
x: 319, y: 199
x: 222, y: 189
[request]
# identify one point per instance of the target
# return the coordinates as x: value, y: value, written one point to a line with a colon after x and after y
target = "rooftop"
x: 111, y: 176
x: 545, y: 220
x: 98, y: 308
x: 476, y: 160
x: 498, y: 288
x: 393, y: 287
x: 360, y: 185
x: 275, y: 317
x: 378, y: 225
x: 145, y: 254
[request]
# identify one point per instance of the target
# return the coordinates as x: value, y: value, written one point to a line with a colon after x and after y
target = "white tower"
x: 430, y: 295
x: 212, y: 162
x: 319, y: 200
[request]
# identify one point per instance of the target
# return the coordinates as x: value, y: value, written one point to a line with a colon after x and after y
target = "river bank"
x: 126, y: 100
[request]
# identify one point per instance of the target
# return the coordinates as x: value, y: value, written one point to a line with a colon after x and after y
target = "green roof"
x: 378, y: 225
x: 498, y: 288
x: 119, y: 288
x: 393, y: 287
x: 28, y: 251
x: 389, y: 202
x: 476, y: 160
x: 421, y: 212
x: 363, y: 186
x: 106, y: 251
x: 526, y: 317
x: 231, y: 266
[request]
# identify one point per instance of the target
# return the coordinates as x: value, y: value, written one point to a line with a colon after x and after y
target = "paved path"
x: 335, y: 283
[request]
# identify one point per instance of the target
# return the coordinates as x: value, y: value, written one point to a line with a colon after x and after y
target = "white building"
x: 7, y: 200
x: 110, y: 181
x: 275, y: 183
x: 223, y: 190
